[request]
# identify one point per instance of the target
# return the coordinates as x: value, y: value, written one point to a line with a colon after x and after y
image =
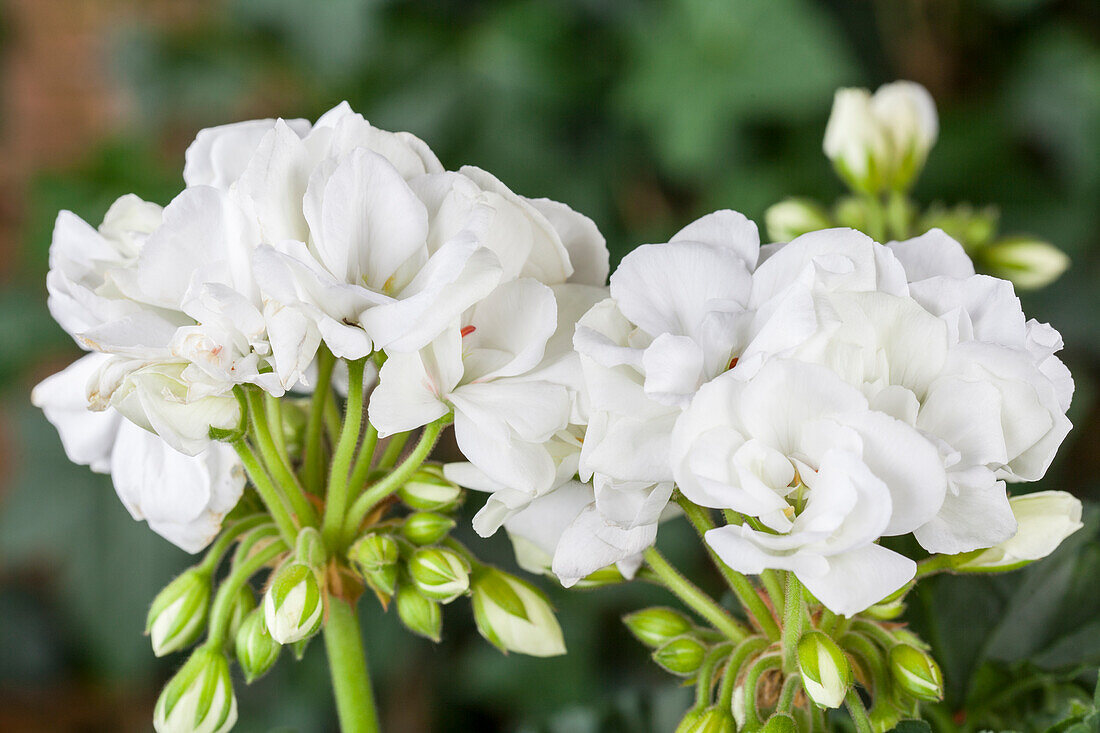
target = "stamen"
x: 467, y: 330
x: 733, y: 363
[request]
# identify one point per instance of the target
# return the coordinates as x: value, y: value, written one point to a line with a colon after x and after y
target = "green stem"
x: 278, y: 467
x: 361, y: 470
x: 347, y: 662
x: 752, y: 677
x: 694, y: 598
x: 737, y: 660
x: 872, y: 659
x: 332, y: 418
x: 274, y: 408
x: 228, y: 536
x: 858, y: 712
x: 773, y: 584
x: 742, y: 587
x: 705, y: 679
x: 881, y: 636
x: 828, y: 621
x: 337, y: 497
x: 791, y: 686
x: 393, y: 450
x: 793, y: 621
x: 940, y: 563
x: 396, y: 478
x: 274, y: 500
x: 313, y: 464
x: 222, y: 608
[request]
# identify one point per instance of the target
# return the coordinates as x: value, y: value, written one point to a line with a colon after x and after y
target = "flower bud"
x: 426, y: 528
x: 244, y: 603
x: 680, y: 656
x: 916, y: 673
x: 855, y: 141
x: 655, y: 626
x: 972, y: 228
x: 907, y: 114
x: 781, y: 723
x: 293, y: 605
x: 428, y: 490
x: 826, y: 673
x: 375, y: 556
x: 420, y: 614
x: 441, y: 575
x: 794, y: 217
x: 712, y: 720
x: 1043, y: 520
x: 514, y: 616
x: 178, y: 614
x: 1029, y: 263
x: 256, y: 651
x: 199, y: 698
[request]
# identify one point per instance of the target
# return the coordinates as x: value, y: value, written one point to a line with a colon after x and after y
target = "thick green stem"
x: 313, y: 465
x: 875, y: 664
x: 393, y: 450
x: 752, y: 677
x: 396, y: 478
x: 274, y: 500
x: 742, y: 587
x: 361, y: 470
x: 274, y: 407
x: 791, y: 686
x: 694, y: 598
x: 793, y: 621
x: 744, y: 651
x: 773, y: 584
x: 228, y: 536
x: 705, y: 680
x: 277, y: 465
x: 858, y: 712
x: 337, y: 497
x: 222, y: 608
x: 347, y: 663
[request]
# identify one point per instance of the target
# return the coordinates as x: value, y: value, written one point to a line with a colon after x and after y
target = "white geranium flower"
x: 183, y: 498
x: 824, y: 475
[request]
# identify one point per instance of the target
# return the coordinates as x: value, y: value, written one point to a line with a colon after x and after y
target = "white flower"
x: 183, y: 498
x: 826, y: 476
x: 1044, y: 519
x: 881, y: 140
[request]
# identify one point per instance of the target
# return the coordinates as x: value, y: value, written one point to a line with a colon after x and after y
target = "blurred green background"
x: 642, y: 114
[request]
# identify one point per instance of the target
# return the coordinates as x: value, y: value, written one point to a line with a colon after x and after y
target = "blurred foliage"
x: 642, y: 114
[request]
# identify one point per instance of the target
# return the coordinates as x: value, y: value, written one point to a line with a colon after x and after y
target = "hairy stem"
x: 277, y: 465
x: 693, y: 597
x: 337, y: 496
x: 793, y: 621
x: 273, y: 499
x: 348, y: 666
x: 222, y: 608
x: 313, y: 465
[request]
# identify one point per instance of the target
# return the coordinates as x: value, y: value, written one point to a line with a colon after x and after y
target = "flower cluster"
x: 291, y: 237
x: 826, y: 393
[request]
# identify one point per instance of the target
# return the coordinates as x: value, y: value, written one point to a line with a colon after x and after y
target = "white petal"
x: 586, y: 246
x: 860, y: 578
x: 977, y: 516
x: 590, y: 543
x: 219, y: 155
x: 728, y: 229
x: 88, y: 437
x: 931, y: 254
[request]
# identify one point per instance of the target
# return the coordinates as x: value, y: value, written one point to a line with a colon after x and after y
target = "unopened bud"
x: 1043, y: 520
x: 886, y: 610
x: 199, y: 698
x: 655, y: 626
x: 794, y: 217
x: 855, y: 142
x: 178, y: 614
x: 244, y: 603
x: 426, y: 528
x: 826, y: 673
x: 440, y: 574
x: 916, y: 673
x: 428, y: 490
x: 375, y: 556
x: 293, y: 605
x: 781, y: 723
x: 420, y: 614
x: 514, y: 616
x: 680, y: 656
x: 1029, y: 263
x: 256, y: 651
x: 712, y: 720
x: 907, y: 113
x: 309, y: 548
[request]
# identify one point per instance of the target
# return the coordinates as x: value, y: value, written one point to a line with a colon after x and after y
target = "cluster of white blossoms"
x: 289, y: 236
x: 829, y: 392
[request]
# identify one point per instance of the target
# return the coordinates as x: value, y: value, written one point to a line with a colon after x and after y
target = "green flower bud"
x: 680, y: 656
x: 428, y: 490
x: 293, y: 605
x: 1029, y: 263
x: 375, y: 556
x: 243, y: 604
x: 256, y: 651
x: 610, y: 575
x: 780, y: 723
x: 826, y: 673
x: 794, y: 217
x: 309, y: 548
x: 655, y: 626
x: 178, y: 614
x: 426, y: 528
x: 916, y: 673
x: 440, y: 574
x: 886, y: 611
x: 420, y: 614
x: 199, y: 698
x: 712, y: 720
x: 514, y: 616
